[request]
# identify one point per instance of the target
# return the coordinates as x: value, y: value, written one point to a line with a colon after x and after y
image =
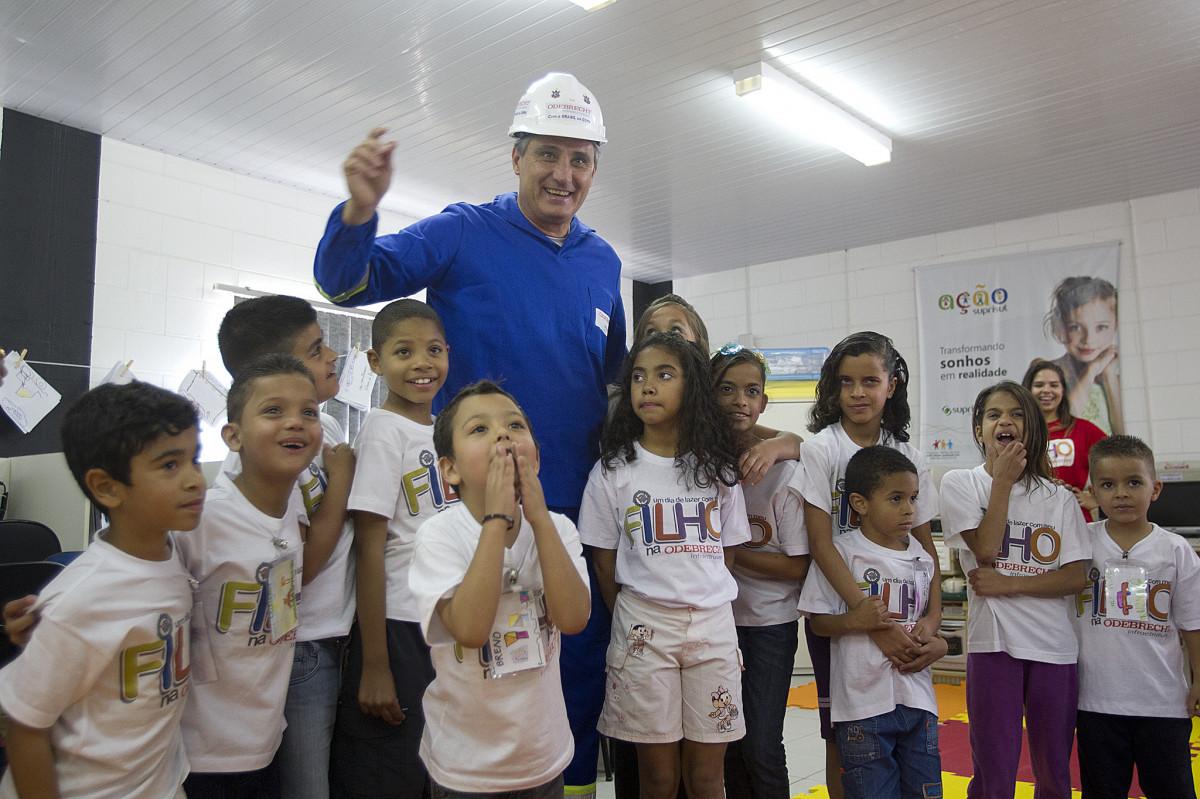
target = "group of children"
x: 422, y: 649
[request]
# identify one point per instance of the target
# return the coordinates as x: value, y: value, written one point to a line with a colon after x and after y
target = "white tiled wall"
x: 817, y: 300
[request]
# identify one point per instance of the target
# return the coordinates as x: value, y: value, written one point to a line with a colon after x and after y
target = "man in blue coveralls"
x: 528, y: 294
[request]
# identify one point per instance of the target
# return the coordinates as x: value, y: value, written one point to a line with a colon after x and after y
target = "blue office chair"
x: 64, y: 558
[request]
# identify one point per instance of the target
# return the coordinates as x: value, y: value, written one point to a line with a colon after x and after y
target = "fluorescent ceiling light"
x: 811, y: 114
x: 592, y: 5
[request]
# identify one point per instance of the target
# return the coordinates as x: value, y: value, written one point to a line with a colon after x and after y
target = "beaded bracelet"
x: 505, y: 517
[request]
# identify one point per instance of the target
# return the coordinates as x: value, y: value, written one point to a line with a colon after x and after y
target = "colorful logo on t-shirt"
x: 673, y: 525
x: 1028, y: 548
x: 164, y: 663
x: 426, y: 481
x: 1062, y: 452
x: 249, y: 603
x: 761, y: 532
x: 846, y: 516
x: 312, y: 490
x: 1092, y: 601
x: 901, y: 596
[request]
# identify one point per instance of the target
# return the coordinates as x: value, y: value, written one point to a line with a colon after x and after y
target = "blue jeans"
x: 891, y: 755
x: 756, y: 766
x: 310, y: 710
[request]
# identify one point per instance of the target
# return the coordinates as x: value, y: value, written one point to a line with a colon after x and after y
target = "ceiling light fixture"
x: 811, y: 114
x: 592, y: 5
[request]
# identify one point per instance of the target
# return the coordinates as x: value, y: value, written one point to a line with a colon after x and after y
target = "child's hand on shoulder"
x: 338, y: 458
x: 756, y: 461
x: 1086, y: 500
x: 1009, y: 463
x: 529, y: 487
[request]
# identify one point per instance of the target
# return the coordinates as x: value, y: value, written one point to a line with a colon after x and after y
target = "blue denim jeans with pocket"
x: 756, y: 766
x: 310, y: 710
x: 891, y: 755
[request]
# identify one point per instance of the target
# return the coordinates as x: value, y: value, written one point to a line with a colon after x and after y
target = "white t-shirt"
x: 107, y: 672
x: 234, y: 724
x: 1130, y: 660
x: 483, y: 734
x: 669, y: 538
x: 863, y: 682
x: 776, y: 525
x: 1045, y: 532
x: 328, y: 608
x: 821, y: 480
x: 396, y: 476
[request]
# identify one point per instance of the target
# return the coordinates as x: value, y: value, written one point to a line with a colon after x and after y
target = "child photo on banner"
x: 987, y: 320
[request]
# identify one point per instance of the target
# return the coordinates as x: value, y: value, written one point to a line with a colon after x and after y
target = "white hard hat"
x: 558, y: 105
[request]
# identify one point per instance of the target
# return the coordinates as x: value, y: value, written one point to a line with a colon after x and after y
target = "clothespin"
x: 203, y: 371
x: 126, y: 369
x: 20, y: 360
x: 356, y: 346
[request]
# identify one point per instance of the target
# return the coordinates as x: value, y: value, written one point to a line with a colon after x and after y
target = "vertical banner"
x: 987, y: 320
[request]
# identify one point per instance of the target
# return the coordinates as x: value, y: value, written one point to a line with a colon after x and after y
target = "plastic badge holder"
x: 518, y: 642
x: 1126, y: 590
x: 281, y: 587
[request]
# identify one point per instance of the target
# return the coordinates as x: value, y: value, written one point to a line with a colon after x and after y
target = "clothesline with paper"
x: 357, y: 381
x: 206, y: 393
x: 25, y: 396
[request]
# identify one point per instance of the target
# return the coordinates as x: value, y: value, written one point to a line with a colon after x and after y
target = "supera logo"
x: 981, y: 300
x: 951, y: 410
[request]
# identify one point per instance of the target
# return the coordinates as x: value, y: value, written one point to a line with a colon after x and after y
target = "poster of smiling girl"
x: 1083, y: 318
x: 984, y: 320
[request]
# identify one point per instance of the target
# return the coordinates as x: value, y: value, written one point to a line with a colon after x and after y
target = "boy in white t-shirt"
x: 1143, y: 592
x: 397, y: 486
x: 496, y: 578
x: 247, y: 558
x: 94, y: 701
x: 282, y: 324
x: 885, y: 718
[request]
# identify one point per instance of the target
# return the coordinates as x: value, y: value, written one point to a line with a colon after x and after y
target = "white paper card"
x: 357, y: 381
x: 518, y: 641
x: 119, y: 375
x: 206, y: 394
x: 25, y: 396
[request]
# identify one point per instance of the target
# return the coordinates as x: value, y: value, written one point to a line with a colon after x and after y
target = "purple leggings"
x: 1001, y: 690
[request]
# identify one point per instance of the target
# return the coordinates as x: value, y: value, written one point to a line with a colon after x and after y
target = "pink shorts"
x: 672, y: 673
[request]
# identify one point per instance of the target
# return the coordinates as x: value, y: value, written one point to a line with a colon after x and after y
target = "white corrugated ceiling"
x: 998, y: 110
